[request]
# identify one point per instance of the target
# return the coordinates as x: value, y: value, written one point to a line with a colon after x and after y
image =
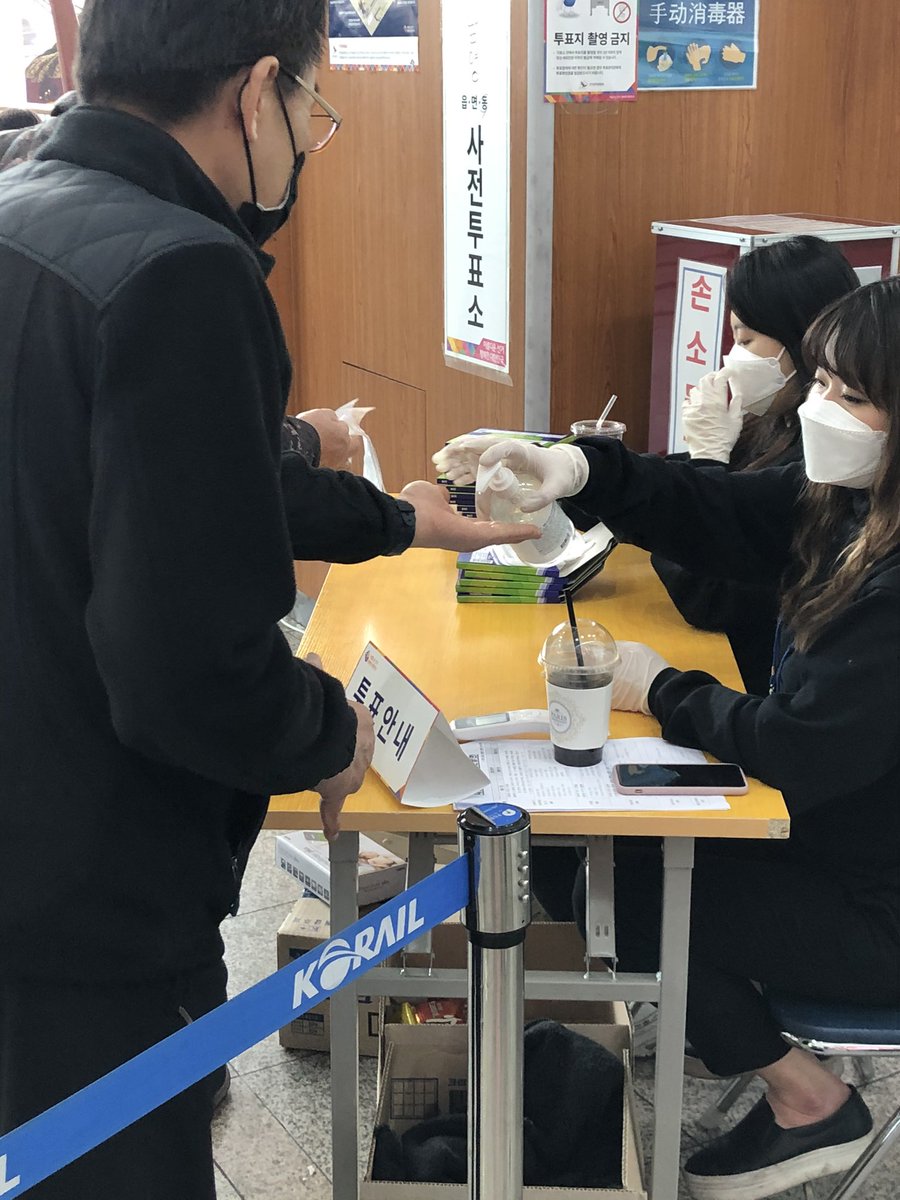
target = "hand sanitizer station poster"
x: 699, y: 45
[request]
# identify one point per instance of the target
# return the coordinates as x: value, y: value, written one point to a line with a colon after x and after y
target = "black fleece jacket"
x: 149, y: 703
x: 746, y: 612
x: 829, y: 737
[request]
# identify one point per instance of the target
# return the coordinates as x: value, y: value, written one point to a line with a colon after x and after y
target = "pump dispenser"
x: 498, y: 496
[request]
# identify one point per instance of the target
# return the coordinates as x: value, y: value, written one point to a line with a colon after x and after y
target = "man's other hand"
x: 334, y: 791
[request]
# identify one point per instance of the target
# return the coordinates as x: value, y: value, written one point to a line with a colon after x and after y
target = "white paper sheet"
x: 524, y: 772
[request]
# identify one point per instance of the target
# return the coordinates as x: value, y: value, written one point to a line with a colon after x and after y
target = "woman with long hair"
x: 773, y: 294
x: 818, y: 915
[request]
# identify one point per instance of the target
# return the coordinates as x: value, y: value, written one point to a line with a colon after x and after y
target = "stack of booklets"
x: 498, y: 576
x: 462, y: 497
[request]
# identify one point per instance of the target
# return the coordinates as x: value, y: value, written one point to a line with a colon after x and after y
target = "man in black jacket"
x: 149, y: 703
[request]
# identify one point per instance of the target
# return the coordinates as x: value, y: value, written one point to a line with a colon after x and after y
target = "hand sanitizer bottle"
x: 498, y: 496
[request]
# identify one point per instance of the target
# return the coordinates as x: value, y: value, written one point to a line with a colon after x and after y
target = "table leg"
x: 601, y: 919
x: 419, y: 866
x: 344, y: 1029
x: 676, y: 917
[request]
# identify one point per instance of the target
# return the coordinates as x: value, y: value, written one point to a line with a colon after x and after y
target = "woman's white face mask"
x: 838, y: 448
x: 754, y: 381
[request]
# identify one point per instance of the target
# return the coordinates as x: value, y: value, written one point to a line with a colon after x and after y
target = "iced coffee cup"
x: 579, y: 691
x: 608, y: 429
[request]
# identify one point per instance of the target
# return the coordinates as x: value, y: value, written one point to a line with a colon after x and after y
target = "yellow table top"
x: 482, y: 658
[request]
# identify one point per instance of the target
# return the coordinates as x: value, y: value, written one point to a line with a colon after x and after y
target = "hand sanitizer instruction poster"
x: 700, y: 45
x: 373, y: 35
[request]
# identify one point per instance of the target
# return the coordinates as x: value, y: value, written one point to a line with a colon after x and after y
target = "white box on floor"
x: 303, y: 853
x: 431, y: 1061
x: 306, y: 926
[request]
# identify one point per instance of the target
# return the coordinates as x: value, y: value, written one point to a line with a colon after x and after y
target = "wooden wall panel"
x: 819, y: 135
x: 397, y: 427
x: 368, y: 247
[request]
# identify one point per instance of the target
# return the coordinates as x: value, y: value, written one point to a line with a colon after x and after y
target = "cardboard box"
x: 306, y: 926
x: 431, y: 1062
x: 548, y: 947
x: 303, y: 853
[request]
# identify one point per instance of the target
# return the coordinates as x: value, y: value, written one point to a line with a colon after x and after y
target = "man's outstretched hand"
x: 440, y: 527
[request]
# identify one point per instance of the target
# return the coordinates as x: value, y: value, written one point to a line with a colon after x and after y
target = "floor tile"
x: 224, y: 1190
x: 299, y: 1095
x: 257, y: 1154
x: 269, y: 1053
x: 265, y: 884
x: 250, y: 946
x: 250, y: 954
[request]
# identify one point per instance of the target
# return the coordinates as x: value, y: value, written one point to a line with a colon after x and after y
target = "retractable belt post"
x: 497, y: 840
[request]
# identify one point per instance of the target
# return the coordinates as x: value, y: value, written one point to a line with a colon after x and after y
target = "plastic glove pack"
x: 353, y: 416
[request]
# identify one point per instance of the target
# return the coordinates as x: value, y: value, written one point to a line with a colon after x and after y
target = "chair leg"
x: 867, y: 1160
x: 713, y: 1117
x: 866, y: 1069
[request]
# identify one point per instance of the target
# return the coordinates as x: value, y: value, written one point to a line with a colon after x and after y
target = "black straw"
x: 573, y: 625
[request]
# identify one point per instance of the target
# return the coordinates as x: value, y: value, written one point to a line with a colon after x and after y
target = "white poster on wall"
x: 697, y: 337
x: 476, y: 53
x: 591, y: 50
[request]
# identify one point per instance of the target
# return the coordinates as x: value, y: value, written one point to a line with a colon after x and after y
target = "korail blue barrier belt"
x: 54, y: 1139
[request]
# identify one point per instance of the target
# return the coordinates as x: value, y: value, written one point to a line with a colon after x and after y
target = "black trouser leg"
x: 56, y: 1038
x: 758, y: 914
x: 553, y: 873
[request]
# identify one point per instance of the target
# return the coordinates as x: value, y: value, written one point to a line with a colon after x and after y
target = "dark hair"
x: 858, y: 340
x: 779, y: 290
x: 17, y: 118
x: 170, y: 58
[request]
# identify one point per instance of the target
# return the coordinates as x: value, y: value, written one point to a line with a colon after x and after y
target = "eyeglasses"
x: 329, y: 114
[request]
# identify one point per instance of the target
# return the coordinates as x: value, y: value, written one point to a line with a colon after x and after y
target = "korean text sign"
x: 697, y: 337
x: 416, y: 753
x: 476, y: 49
x: 698, y: 44
x: 591, y: 50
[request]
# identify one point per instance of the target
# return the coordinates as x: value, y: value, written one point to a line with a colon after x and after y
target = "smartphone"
x: 679, y: 779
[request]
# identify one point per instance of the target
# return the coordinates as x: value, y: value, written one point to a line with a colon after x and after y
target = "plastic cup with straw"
x: 579, y: 662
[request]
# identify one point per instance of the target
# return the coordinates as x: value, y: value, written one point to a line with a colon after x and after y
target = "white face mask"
x: 754, y: 381
x: 838, y: 448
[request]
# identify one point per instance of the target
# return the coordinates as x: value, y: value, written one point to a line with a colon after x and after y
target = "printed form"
x: 525, y: 773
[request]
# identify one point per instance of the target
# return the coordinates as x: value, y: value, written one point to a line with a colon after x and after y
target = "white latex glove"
x: 638, y: 667
x: 710, y: 422
x: 559, y: 470
x: 458, y: 460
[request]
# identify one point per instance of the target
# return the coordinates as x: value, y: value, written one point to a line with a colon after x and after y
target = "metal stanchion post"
x: 497, y: 839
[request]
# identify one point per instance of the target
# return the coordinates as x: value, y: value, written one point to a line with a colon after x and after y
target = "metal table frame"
x: 669, y: 988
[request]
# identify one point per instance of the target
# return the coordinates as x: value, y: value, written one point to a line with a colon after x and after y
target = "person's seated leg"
x: 808, y: 1125
x: 553, y: 871
x: 776, y: 919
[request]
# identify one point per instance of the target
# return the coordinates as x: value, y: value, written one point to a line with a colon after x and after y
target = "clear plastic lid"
x: 598, y: 651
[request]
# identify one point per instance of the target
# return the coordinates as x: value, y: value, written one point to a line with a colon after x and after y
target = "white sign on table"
x: 697, y: 337
x: 416, y: 753
x: 476, y: 50
x: 525, y: 773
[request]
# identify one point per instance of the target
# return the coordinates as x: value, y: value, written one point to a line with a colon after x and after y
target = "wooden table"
x: 474, y: 659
